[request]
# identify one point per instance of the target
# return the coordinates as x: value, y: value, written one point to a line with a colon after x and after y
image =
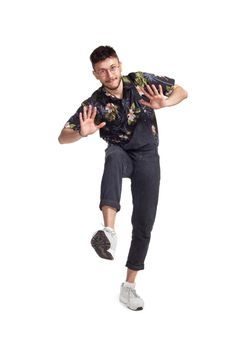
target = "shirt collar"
x: 127, y: 86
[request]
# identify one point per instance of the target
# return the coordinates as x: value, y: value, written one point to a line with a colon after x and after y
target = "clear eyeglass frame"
x: 113, y: 69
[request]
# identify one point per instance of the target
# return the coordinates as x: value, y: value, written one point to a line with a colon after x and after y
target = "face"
x: 108, y: 72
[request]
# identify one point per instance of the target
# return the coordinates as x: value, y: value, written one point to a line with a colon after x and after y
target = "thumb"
x: 101, y: 125
x: 144, y: 103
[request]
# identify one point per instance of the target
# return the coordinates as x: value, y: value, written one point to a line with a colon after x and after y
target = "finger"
x: 160, y: 89
x: 144, y: 103
x: 94, y: 113
x: 101, y: 125
x: 84, y: 112
x: 139, y: 90
x: 146, y: 93
x: 149, y: 89
x: 89, y: 111
x: 155, y: 91
x: 81, y: 118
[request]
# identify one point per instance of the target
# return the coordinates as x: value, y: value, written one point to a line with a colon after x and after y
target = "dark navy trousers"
x: 142, y: 166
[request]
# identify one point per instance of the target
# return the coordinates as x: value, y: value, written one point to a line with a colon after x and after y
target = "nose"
x: 109, y: 73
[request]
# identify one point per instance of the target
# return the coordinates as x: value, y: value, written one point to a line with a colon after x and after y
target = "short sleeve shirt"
x: 122, y: 115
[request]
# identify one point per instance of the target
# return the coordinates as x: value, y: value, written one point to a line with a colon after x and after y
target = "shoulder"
x: 137, y: 78
x: 94, y: 98
x: 143, y: 78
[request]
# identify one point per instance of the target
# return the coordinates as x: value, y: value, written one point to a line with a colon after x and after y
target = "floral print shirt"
x: 122, y: 115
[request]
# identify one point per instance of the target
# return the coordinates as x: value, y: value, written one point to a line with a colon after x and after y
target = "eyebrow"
x: 114, y: 64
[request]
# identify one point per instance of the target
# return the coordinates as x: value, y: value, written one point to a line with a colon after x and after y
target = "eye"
x: 113, y: 68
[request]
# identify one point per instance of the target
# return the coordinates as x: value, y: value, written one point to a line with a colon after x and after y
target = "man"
x: 122, y: 109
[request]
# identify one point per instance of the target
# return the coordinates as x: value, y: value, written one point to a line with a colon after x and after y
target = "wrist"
x: 81, y: 134
x: 167, y: 102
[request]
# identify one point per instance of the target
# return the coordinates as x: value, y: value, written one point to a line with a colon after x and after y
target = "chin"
x: 114, y: 85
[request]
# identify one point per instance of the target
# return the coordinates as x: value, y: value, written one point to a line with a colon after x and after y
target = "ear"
x: 95, y: 75
x: 120, y: 63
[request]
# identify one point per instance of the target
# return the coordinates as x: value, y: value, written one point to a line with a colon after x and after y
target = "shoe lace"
x: 109, y: 230
x: 132, y: 292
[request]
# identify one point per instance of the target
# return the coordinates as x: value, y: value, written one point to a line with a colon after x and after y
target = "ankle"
x: 129, y: 284
x: 111, y: 229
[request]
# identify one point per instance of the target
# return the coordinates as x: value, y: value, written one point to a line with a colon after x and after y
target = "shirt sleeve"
x: 166, y: 82
x: 74, y: 122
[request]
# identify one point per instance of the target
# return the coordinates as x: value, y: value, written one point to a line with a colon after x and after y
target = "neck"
x: 118, y: 92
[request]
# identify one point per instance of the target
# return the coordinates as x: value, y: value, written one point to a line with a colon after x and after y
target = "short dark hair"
x: 101, y: 53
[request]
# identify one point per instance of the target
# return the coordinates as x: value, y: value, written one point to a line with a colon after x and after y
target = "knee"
x: 141, y: 236
x: 114, y: 158
x: 142, y: 226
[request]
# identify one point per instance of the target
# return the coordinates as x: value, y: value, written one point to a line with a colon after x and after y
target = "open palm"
x: 156, y: 97
x: 87, y: 121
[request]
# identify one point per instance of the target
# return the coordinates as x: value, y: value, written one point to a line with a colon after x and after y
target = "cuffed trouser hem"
x: 110, y: 203
x: 135, y: 267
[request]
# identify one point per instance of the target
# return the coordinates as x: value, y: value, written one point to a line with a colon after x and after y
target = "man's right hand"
x: 87, y: 121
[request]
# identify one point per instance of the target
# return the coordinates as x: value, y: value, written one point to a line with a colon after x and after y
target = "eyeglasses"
x: 103, y: 72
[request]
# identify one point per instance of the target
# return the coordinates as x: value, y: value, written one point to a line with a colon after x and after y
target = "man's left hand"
x: 156, y: 97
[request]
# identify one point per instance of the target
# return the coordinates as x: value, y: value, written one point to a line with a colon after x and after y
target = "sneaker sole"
x: 101, y: 244
x: 138, y: 309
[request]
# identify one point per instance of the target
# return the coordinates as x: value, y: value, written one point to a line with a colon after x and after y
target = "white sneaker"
x: 129, y: 297
x: 104, y: 242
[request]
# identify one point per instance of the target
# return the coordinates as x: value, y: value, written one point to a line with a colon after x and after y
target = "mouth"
x: 111, y: 81
x: 113, y: 84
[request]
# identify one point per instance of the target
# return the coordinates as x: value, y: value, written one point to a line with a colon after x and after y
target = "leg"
x: 117, y: 165
x: 109, y: 215
x: 131, y: 275
x: 128, y: 295
x: 145, y: 191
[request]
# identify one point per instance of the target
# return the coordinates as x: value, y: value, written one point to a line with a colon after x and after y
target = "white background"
x: 55, y: 292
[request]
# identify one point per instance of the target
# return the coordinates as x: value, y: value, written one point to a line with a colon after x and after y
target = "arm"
x: 87, y: 126
x: 178, y: 94
x: 68, y: 136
